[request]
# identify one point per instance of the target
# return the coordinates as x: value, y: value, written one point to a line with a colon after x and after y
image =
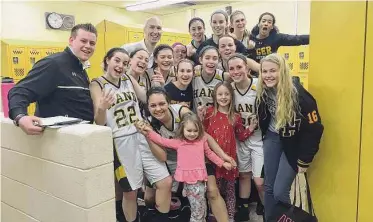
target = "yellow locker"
x: 134, y: 35
x: 366, y: 151
x: 60, y: 49
x: 168, y: 39
x: 34, y: 54
x: 48, y: 51
x: 96, y: 69
x: 184, y: 39
x: 334, y: 173
x: 115, y: 39
x: 289, y: 53
x: 18, y: 62
x: 303, y: 58
x: 31, y: 109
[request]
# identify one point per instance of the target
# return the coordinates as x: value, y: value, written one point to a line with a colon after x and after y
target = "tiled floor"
x: 253, y: 216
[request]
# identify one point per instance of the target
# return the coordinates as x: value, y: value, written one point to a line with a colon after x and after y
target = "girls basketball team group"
x: 229, y: 98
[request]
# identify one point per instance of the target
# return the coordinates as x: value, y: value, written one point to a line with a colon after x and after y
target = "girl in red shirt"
x: 224, y: 125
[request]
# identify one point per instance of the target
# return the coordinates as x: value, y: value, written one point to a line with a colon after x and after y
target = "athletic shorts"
x: 250, y: 157
x: 133, y: 159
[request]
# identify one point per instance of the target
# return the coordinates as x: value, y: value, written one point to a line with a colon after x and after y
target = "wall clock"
x: 54, y: 20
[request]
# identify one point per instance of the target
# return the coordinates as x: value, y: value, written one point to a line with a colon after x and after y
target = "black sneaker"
x: 259, y: 208
x: 242, y: 214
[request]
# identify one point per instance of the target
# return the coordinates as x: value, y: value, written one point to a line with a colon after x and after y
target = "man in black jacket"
x: 58, y: 83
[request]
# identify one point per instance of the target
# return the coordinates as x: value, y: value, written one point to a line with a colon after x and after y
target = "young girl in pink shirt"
x: 191, y: 146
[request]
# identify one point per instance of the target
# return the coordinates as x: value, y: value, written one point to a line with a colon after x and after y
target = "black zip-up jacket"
x: 301, y: 138
x: 269, y: 45
x: 58, y: 84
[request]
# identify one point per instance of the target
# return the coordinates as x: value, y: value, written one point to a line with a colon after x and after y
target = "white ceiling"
x: 164, y: 10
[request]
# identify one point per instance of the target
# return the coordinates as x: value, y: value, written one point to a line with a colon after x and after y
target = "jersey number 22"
x: 123, y: 118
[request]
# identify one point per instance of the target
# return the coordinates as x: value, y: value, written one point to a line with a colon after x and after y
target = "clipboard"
x: 59, y: 121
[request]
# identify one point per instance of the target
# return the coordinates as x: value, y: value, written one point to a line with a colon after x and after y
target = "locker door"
x: 114, y: 39
x: 33, y: 55
x: 366, y: 152
x: 48, y: 51
x: 303, y: 58
x: 135, y: 36
x: 183, y: 39
x: 18, y: 62
x: 60, y: 49
x: 168, y: 39
x: 336, y: 81
x: 289, y: 53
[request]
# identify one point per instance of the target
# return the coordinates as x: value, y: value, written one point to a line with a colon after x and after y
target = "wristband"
x: 18, y: 117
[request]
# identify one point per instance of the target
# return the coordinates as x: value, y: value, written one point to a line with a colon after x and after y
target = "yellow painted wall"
x: 366, y: 155
x: 25, y: 19
x: 336, y: 81
x: 291, y: 16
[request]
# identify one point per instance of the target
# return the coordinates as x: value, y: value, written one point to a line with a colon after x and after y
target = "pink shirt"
x: 191, y: 166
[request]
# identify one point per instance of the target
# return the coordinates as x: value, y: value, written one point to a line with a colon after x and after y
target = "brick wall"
x: 64, y: 175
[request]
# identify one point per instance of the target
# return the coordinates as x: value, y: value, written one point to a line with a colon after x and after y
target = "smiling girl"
x: 163, y: 64
x: 181, y: 90
x: 227, y: 47
x: 206, y: 78
x: 180, y: 52
x: 116, y: 98
x: 223, y: 123
x: 250, y: 151
x: 238, y: 24
x: 191, y: 146
x: 291, y: 127
x: 219, y: 25
x: 197, y: 31
x: 165, y: 119
x: 137, y: 67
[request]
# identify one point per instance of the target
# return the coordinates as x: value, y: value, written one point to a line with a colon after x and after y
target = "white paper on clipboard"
x: 59, y: 121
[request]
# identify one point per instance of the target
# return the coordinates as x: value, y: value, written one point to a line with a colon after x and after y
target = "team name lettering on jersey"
x: 124, y: 97
x: 204, y: 92
x: 244, y: 108
x: 263, y: 52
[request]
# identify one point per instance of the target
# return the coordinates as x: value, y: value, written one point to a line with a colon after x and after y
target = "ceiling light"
x: 150, y: 4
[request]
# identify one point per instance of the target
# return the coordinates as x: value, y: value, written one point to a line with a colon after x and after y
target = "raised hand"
x: 190, y: 50
x: 250, y: 44
x: 158, y: 78
x: 107, y: 99
x: 201, y: 112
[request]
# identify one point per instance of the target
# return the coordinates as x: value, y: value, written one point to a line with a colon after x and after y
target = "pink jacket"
x: 191, y: 166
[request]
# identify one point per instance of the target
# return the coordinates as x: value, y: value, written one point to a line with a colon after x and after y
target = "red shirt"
x: 225, y: 133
